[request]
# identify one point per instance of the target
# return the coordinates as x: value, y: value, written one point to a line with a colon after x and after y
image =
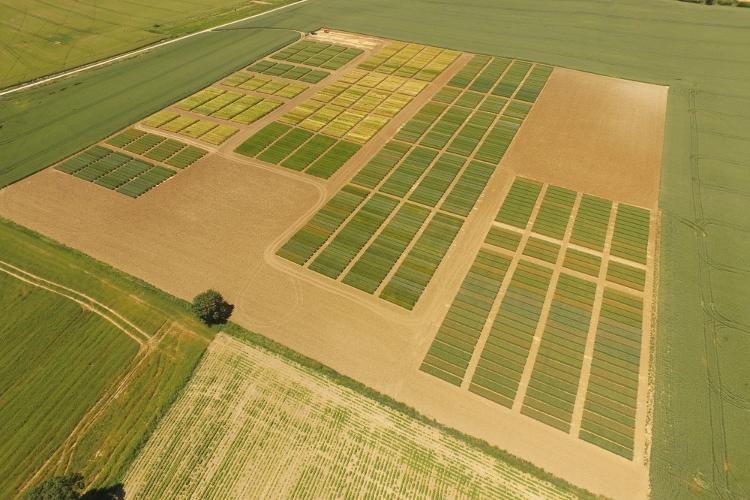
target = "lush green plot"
x: 376, y: 262
x: 534, y: 83
x: 354, y: 235
x: 445, y: 127
x: 285, y: 145
x: 551, y: 394
x: 503, y: 358
x: 554, y: 212
x: 262, y: 139
x: 409, y: 171
x: 611, y: 398
x: 307, y: 154
x: 487, y: 78
x: 186, y: 157
x: 312, y: 235
x: 145, y: 181
x: 498, y: 140
x: 433, y: 186
x: 583, y: 262
x: 324, y: 55
x: 416, y: 271
x: 503, y: 238
x: 469, y: 187
x: 519, y: 203
x: 454, y: 344
x: 630, y: 238
x: 508, y: 84
x: 125, y: 138
x: 592, y: 220
x: 469, y: 72
x: 542, y: 249
x: 471, y: 134
x: 57, y: 360
x: 415, y: 128
x: 333, y: 159
x: 629, y: 276
x: 381, y: 164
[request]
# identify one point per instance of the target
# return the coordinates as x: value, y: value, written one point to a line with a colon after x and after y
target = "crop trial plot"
x: 243, y: 80
x: 288, y: 71
x: 323, y: 55
x: 517, y: 273
x: 410, y: 60
x: 430, y: 163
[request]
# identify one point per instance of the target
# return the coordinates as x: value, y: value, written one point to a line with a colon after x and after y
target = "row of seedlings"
x: 173, y: 153
x: 289, y: 71
x: 410, y: 61
x: 115, y: 170
x: 228, y: 105
x: 323, y: 55
x: 451, y: 351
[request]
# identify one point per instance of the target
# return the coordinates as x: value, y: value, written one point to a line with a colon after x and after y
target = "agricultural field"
x: 536, y: 326
x: 44, y: 39
x: 422, y: 184
x: 523, y: 317
x: 96, y: 357
x: 278, y: 429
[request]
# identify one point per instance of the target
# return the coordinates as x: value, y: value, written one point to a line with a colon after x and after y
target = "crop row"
x: 583, y: 262
x: 469, y: 187
x: 415, y: 272
x: 504, y: 356
x: 355, y: 234
x: 264, y: 85
x: 487, y: 78
x: 534, y: 83
x: 116, y: 171
x: 455, y: 342
x: 323, y: 224
x: 503, y: 238
x: 519, y: 202
x: 420, y: 122
x: 410, y: 61
x: 592, y: 220
x: 205, y: 130
x: 377, y: 261
x: 498, y: 140
x: 324, y: 55
x: 626, y: 275
x: 155, y: 147
x: 611, y: 399
x: 433, y: 186
x: 551, y: 394
x: 510, y: 81
x: 554, y: 212
x: 542, y: 250
x: 289, y: 71
x: 381, y: 164
x: 630, y: 238
x: 468, y: 73
x: 298, y: 149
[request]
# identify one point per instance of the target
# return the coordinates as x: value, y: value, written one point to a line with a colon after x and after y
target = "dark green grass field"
x: 700, y: 446
x: 40, y: 38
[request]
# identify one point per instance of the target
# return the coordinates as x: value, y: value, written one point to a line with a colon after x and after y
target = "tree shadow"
x: 114, y: 492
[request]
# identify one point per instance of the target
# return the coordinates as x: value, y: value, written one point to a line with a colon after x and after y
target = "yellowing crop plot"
x: 254, y: 425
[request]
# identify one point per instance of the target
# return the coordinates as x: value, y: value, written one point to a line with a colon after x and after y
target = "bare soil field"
x: 218, y: 224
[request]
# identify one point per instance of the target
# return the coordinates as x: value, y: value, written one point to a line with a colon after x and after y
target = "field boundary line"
x: 83, y: 300
x: 98, y: 64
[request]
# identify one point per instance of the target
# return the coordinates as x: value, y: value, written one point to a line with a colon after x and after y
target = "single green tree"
x: 211, y: 307
x: 67, y: 487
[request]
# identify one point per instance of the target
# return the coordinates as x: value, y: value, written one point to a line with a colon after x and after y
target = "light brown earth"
x: 218, y: 223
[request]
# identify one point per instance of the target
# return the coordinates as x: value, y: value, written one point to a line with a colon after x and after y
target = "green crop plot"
x: 553, y: 386
x: 264, y: 84
x: 453, y: 347
x: 410, y: 61
x: 629, y: 276
x: 503, y: 238
x: 433, y: 186
x: 324, y: 55
x: 444, y: 129
x: 504, y: 356
x: 542, y: 250
x: 381, y: 164
x: 469, y: 72
x: 583, y: 262
x: 416, y: 271
x: 487, y: 78
x: 519, y: 203
x: 469, y: 187
x: 415, y: 128
x: 470, y: 136
x: 554, y: 212
x: 312, y: 235
x: 609, y: 412
x: 534, y: 83
x: 376, y: 262
x: 630, y: 238
x: 289, y: 71
x: 592, y: 220
x: 309, y: 153
x: 409, y: 171
x: 353, y: 236
x: 119, y: 171
x: 510, y: 81
x: 498, y: 140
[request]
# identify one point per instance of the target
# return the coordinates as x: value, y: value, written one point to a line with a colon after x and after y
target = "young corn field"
x: 253, y: 424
